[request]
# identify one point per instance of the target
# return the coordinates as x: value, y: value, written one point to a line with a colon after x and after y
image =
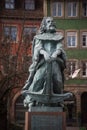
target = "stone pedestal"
x: 45, y: 118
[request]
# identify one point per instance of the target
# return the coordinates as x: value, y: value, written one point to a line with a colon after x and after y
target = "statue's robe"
x: 39, y: 68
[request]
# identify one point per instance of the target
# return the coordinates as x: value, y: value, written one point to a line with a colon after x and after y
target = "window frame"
x: 10, y: 26
x: 62, y: 8
x: 29, y: 2
x: 77, y: 9
x: 81, y: 34
x: 30, y: 47
x: 83, y: 76
x: 76, y: 44
x: 10, y: 3
x: 81, y: 12
x: 71, y: 61
x: 27, y: 26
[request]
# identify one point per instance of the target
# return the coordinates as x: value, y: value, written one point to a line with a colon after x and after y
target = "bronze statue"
x: 46, y: 80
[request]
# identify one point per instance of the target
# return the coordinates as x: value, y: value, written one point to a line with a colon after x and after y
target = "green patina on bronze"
x: 46, y: 80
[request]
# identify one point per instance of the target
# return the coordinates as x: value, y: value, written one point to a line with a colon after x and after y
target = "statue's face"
x: 50, y: 26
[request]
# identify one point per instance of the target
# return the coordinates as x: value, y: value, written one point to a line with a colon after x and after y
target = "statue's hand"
x: 47, y: 57
x: 56, y: 53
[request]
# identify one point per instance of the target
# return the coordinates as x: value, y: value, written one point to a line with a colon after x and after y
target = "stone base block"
x: 45, y: 120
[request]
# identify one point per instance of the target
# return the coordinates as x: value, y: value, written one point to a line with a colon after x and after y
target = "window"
x: 71, y: 66
x: 10, y: 32
x: 71, y: 9
x: 84, y: 8
x: 9, y: 4
x: 57, y: 9
x: 84, y: 39
x: 29, y: 4
x: 84, y: 69
x: 29, y: 33
x: 71, y: 39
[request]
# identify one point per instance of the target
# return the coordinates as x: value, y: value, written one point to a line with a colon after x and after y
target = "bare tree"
x: 13, y: 68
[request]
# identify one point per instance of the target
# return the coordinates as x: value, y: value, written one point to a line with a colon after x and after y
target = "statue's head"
x: 47, y: 25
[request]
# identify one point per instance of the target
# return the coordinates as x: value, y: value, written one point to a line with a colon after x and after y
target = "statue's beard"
x: 51, y: 29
